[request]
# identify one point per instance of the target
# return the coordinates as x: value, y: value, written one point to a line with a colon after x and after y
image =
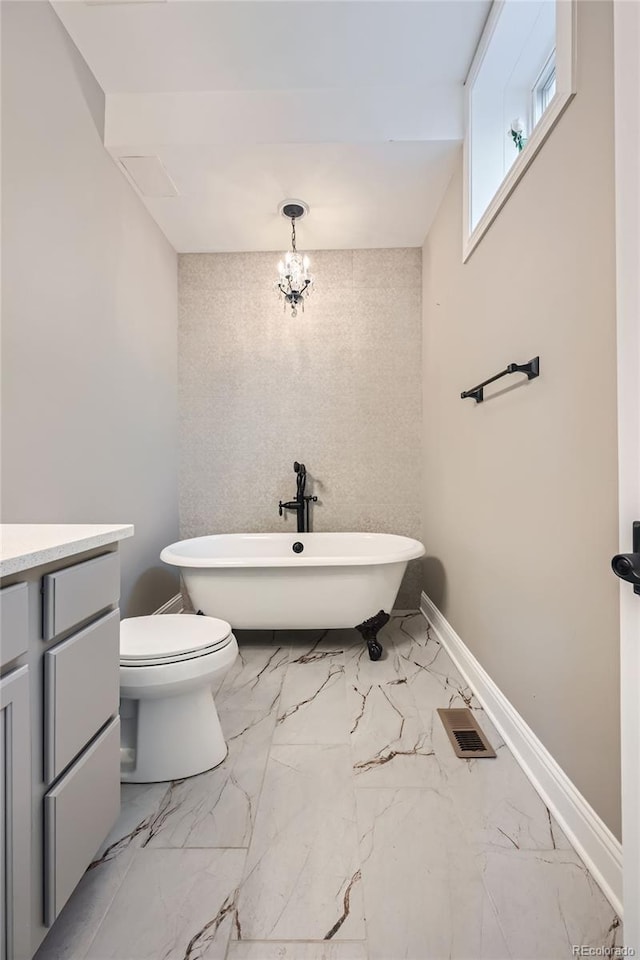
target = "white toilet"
x: 169, y: 664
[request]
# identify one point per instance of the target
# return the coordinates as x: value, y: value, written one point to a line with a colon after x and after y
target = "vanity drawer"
x: 78, y: 592
x: 81, y: 690
x: 78, y: 814
x: 14, y: 622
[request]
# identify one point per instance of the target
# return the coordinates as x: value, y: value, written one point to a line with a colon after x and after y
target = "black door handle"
x: 627, y: 565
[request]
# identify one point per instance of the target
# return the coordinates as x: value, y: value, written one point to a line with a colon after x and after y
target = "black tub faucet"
x: 301, y: 502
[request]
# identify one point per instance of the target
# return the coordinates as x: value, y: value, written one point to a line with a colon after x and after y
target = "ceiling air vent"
x: 111, y: 3
x: 149, y: 176
x: 467, y: 739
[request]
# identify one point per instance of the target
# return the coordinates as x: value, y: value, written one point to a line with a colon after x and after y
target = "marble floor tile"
x: 433, y: 678
x: 361, y: 670
x: 493, y: 798
x: 255, y: 680
x: 142, y: 808
x: 302, y: 879
x: 71, y: 935
x: 297, y: 950
x: 218, y: 808
x: 390, y: 745
x: 313, y: 705
x: 341, y: 826
x: 171, y: 904
x: 547, y: 902
x: 408, y: 629
x: 423, y: 891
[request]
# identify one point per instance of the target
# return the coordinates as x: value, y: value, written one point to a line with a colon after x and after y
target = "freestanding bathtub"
x: 264, y: 581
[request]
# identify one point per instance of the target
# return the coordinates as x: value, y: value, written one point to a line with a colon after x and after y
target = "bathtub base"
x: 369, y: 630
x: 375, y: 649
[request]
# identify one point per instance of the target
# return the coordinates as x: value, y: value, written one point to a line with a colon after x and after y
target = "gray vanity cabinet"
x: 14, y: 622
x: 81, y: 691
x: 77, y: 593
x: 59, y: 735
x: 15, y: 815
x: 78, y: 814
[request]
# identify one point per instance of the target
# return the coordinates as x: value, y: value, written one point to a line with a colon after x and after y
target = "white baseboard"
x: 174, y: 605
x: 587, y: 832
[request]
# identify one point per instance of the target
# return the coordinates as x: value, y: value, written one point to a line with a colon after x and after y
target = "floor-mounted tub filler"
x: 303, y: 581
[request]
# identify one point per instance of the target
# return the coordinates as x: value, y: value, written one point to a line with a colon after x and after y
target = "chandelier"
x: 294, y: 281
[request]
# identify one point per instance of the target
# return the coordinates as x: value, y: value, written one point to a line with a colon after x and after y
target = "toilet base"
x: 169, y: 738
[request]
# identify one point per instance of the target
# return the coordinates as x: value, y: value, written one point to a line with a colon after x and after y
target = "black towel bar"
x: 532, y: 370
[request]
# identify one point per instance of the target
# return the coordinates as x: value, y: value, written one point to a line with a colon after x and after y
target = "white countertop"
x: 27, y: 545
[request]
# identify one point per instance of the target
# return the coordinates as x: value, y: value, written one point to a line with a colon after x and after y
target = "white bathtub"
x: 256, y: 580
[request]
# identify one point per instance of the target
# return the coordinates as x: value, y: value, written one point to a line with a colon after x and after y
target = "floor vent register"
x: 467, y: 739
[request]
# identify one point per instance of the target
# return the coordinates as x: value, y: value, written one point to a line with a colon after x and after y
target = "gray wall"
x: 89, y: 407
x: 520, y: 493
x: 338, y: 388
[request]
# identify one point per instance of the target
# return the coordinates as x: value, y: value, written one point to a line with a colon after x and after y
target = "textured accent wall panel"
x: 337, y: 388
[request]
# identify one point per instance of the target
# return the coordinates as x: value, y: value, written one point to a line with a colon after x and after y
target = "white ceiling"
x: 354, y: 106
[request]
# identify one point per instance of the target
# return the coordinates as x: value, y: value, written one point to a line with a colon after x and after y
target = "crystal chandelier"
x: 294, y: 282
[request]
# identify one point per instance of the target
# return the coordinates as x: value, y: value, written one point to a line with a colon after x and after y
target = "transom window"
x: 544, y: 89
x: 521, y: 79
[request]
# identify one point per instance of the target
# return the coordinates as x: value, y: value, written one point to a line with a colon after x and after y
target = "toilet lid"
x: 170, y: 636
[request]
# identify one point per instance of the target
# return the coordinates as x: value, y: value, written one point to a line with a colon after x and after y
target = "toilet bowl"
x: 169, y: 723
